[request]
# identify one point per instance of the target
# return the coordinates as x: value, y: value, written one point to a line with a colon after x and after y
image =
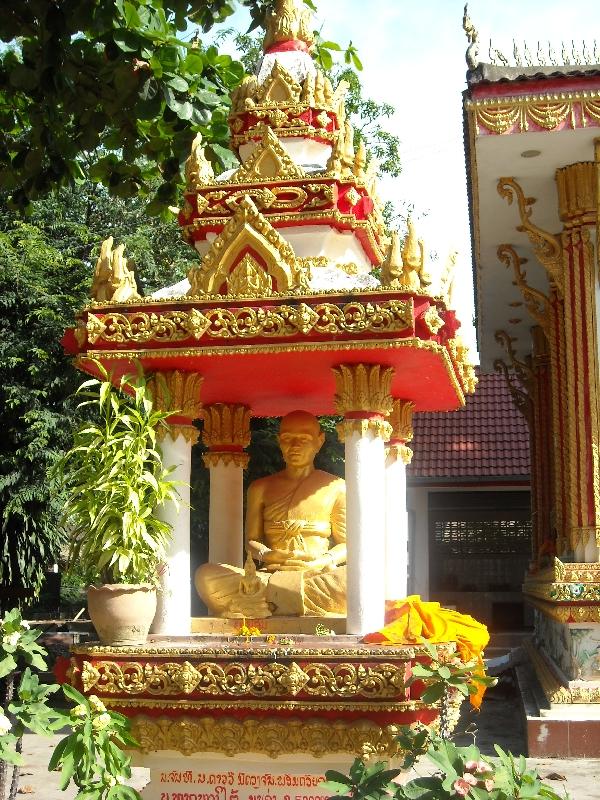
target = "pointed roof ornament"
x: 198, y: 169
x: 392, y: 265
x: 472, y: 54
x: 288, y: 27
x: 413, y: 255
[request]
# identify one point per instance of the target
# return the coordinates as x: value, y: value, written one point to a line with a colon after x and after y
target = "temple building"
x: 532, y: 140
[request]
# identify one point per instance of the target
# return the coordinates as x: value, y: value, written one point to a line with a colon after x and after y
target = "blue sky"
x: 413, y: 57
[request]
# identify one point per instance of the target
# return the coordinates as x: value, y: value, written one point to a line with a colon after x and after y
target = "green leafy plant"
x: 115, y: 481
x: 24, y: 699
x: 91, y: 756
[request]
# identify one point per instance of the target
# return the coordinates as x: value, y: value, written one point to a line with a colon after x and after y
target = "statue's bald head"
x: 300, y: 438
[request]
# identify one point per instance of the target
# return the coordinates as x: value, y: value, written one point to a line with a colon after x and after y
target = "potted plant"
x: 115, y: 482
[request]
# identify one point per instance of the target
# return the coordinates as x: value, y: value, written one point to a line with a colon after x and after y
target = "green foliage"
x: 460, y: 772
x: 441, y: 674
x: 115, y: 480
x: 19, y: 645
x: 40, y: 289
x: 91, y: 755
x: 111, y: 91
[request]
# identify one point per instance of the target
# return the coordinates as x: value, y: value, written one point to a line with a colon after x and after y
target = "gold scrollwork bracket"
x: 547, y: 247
x: 520, y: 370
x: 537, y: 303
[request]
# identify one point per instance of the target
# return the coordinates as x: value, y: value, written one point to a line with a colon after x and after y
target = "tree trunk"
x: 16, y: 773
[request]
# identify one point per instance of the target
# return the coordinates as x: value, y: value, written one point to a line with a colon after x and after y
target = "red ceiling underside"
x: 273, y: 384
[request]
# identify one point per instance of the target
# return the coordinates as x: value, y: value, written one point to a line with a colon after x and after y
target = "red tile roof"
x: 488, y: 438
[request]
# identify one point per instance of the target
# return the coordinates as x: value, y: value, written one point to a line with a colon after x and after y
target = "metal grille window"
x: 479, y: 541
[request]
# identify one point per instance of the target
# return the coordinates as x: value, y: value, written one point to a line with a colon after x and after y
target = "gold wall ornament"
x: 288, y: 21
x: 114, y: 279
x: 198, y: 169
x: 536, y: 302
x: 178, y: 392
x: 433, y: 320
x: 249, y: 279
x: 269, y: 161
x: 269, y: 736
x: 279, y: 321
x: 139, y: 326
x: 577, y: 186
x: 226, y: 424
x: 246, y: 230
x: 245, y: 679
x: 363, y: 387
x: 547, y: 247
x: 547, y: 110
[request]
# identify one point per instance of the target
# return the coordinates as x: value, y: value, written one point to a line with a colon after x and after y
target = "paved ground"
x: 499, y: 722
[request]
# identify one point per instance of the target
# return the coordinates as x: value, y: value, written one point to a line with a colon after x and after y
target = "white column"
x: 365, y: 530
x: 226, y: 513
x: 173, y: 611
x: 226, y: 432
x: 396, y: 525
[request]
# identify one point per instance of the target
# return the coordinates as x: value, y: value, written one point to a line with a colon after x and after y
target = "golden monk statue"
x: 296, y: 530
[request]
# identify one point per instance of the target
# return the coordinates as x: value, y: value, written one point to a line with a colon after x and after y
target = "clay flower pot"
x: 122, y: 612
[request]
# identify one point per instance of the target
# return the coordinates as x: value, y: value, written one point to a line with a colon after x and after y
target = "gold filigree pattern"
x: 269, y: 736
x: 363, y: 387
x: 249, y: 322
x: 239, y: 679
x: 238, y: 705
x: 177, y: 391
x: 547, y: 247
x: 548, y: 111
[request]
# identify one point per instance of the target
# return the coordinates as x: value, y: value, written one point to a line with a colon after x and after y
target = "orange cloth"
x: 413, y: 621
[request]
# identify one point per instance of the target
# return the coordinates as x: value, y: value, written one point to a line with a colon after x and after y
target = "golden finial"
x: 413, y: 258
x: 198, y: 170
x: 290, y: 20
x: 348, y: 149
x: 114, y: 280
x: 319, y: 89
x: 308, y: 90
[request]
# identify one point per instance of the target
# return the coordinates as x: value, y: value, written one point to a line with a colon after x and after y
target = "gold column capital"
x: 400, y: 418
x: 577, y: 186
x: 363, y: 397
x: 396, y: 451
x: 179, y: 392
x: 226, y: 433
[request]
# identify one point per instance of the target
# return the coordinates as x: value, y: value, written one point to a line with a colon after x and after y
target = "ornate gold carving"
x: 576, y: 573
x: 268, y: 162
x: 288, y: 21
x: 249, y: 322
x: 216, y: 457
x: 537, y: 303
x: 463, y: 363
x: 521, y: 372
x: 198, y: 169
x: 139, y: 326
x: 226, y: 424
x: 237, y: 704
x: 401, y: 420
x: 393, y: 452
x: 266, y: 735
x: 363, y: 387
x: 352, y: 196
x: 556, y: 692
x: 432, y: 319
x: 547, y: 247
x: 178, y: 392
x: 564, y: 612
x: 189, y: 433
x: 548, y: 111
x: 404, y: 263
x: 247, y: 229
x: 240, y: 678
x: 577, y: 186
x: 114, y: 280
x: 249, y: 279
x: 377, y: 427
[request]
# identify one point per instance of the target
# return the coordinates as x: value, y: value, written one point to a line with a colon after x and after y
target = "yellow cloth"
x: 413, y: 621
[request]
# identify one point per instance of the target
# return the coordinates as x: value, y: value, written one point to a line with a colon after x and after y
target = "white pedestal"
x: 365, y: 531
x: 396, y: 528
x: 173, y: 612
x: 226, y: 514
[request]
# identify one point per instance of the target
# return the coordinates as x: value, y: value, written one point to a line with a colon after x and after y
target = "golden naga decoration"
x: 244, y: 679
x: 521, y: 372
x: 114, y: 280
x: 269, y: 736
x: 198, y: 169
x: 536, y: 302
x: 403, y: 265
x: 289, y: 21
x: 547, y: 247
